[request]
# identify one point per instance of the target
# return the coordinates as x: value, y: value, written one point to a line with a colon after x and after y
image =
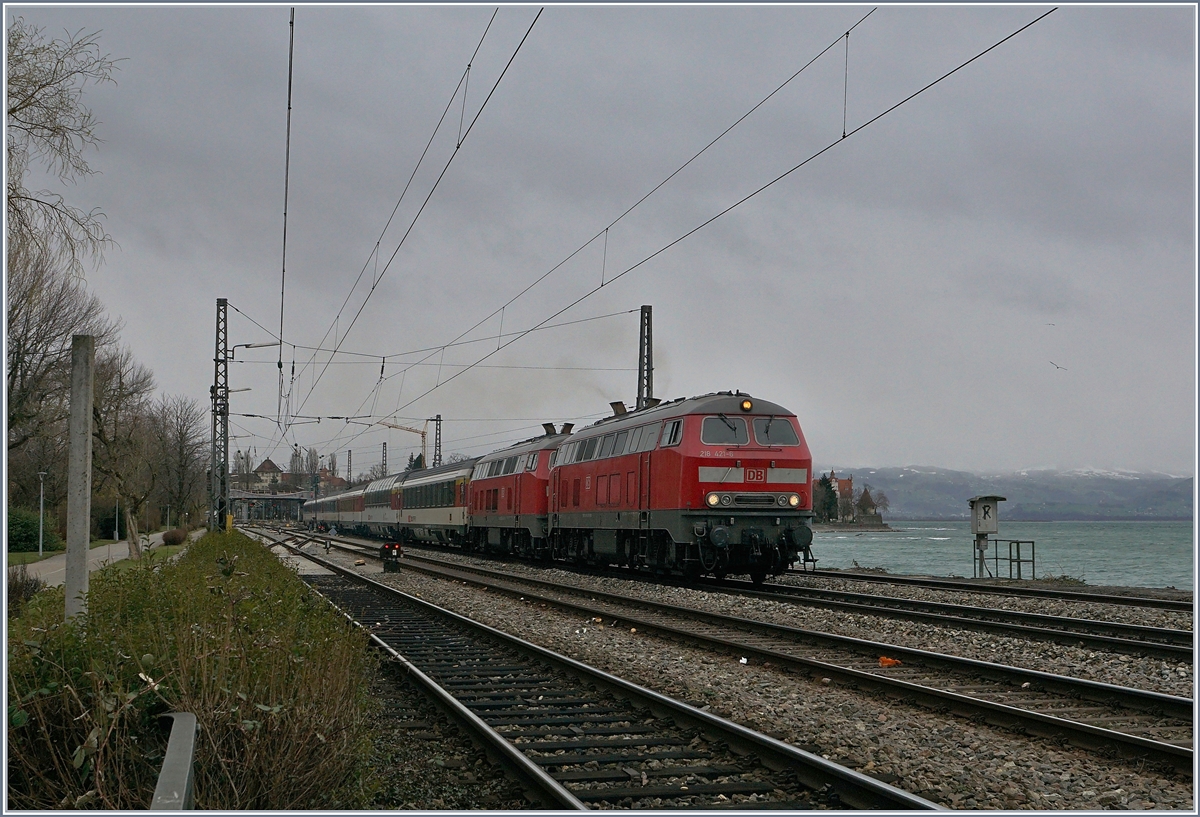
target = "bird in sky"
x: 1055, y: 365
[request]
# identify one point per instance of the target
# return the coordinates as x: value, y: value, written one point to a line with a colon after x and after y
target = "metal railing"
x: 1016, y: 559
x: 175, y: 788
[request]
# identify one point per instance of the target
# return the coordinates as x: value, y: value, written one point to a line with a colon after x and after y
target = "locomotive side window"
x: 531, y: 464
x: 553, y: 458
x: 606, y: 446
x: 674, y: 433
x: 619, y: 445
x: 589, y: 449
x: 722, y: 430
x: 510, y: 465
x: 774, y: 431
x: 649, y: 437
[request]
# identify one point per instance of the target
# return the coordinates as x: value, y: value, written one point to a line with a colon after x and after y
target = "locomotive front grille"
x: 754, y: 500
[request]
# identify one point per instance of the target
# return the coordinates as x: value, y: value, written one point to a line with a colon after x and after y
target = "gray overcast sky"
x: 904, y: 293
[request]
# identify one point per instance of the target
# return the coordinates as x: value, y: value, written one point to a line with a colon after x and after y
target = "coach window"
x: 531, y: 463
x: 722, y: 430
x: 674, y: 433
x: 606, y: 446
x: 589, y: 449
x: 774, y: 431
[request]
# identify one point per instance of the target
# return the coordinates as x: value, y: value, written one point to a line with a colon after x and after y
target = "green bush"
x: 23, y: 532
x: 278, y: 681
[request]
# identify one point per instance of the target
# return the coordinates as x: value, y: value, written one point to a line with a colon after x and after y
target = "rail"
x: 175, y: 790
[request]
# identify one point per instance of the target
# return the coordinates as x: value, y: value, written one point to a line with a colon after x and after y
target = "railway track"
x: 1097, y: 634
x: 1092, y: 633
x: 1177, y: 605
x: 578, y: 737
x: 1109, y: 719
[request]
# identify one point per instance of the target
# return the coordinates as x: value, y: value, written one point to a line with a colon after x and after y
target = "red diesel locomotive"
x: 706, y: 485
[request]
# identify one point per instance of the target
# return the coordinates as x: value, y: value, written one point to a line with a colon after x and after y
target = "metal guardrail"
x: 175, y: 788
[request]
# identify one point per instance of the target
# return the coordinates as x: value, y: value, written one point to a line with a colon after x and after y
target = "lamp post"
x: 41, y: 509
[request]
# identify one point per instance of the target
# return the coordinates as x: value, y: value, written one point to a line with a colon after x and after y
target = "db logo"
x: 756, y: 475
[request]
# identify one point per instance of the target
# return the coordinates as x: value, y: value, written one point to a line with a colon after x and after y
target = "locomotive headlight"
x: 783, y: 500
x: 712, y: 500
x: 794, y: 500
x: 726, y: 499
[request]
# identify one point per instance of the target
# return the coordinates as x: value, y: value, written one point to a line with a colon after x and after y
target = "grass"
x: 156, y: 555
x: 278, y: 681
x: 29, y: 558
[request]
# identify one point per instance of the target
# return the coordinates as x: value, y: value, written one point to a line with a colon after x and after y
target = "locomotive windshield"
x: 774, y: 431
x: 722, y: 430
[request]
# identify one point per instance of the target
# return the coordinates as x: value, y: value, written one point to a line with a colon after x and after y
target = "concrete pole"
x: 41, y: 509
x: 79, y: 473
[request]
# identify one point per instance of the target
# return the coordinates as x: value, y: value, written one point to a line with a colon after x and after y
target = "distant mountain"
x: 926, y: 492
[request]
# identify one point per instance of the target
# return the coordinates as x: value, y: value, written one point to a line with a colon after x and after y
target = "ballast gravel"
x: 1171, y: 677
x: 948, y: 760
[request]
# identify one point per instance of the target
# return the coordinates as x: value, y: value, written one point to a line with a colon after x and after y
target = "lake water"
x: 1137, y: 554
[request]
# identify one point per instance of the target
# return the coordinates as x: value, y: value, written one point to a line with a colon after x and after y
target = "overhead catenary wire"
x: 664, y: 248
x: 428, y: 196
x: 604, y: 232
x: 742, y: 200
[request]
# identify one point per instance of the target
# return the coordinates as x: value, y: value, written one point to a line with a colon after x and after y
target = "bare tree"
x: 881, y: 501
x: 243, y: 467
x: 124, y: 432
x: 312, y: 461
x: 333, y: 464
x: 456, y: 457
x: 45, y: 308
x: 296, y: 467
x: 377, y: 471
x: 49, y: 125
x: 181, y: 439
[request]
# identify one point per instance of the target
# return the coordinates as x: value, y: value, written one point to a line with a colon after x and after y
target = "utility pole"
x: 41, y: 509
x: 437, y: 441
x: 79, y: 473
x: 385, y: 459
x: 349, y: 467
x: 645, y: 360
x: 218, y: 491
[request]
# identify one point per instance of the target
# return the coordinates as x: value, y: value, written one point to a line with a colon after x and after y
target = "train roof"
x: 533, y: 444
x: 722, y: 402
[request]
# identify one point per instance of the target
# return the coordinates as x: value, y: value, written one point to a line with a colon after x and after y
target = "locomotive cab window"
x: 673, y: 434
x: 722, y: 430
x: 531, y: 463
x: 774, y: 431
